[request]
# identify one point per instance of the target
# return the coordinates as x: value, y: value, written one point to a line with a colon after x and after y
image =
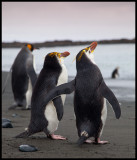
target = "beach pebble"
x: 7, y: 125
x: 14, y: 115
x: 27, y: 148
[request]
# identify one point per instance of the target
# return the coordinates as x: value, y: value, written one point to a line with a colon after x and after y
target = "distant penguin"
x: 90, y: 94
x: 115, y: 73
x: 23, y: 77
x: 46, y: 118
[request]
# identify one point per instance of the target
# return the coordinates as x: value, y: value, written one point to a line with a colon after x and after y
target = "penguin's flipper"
x: 59, y: 107
x: 30, y: 71
x: 65, y: 88
x: 109, y: 95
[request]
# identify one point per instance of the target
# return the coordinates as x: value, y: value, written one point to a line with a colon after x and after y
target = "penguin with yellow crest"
x: 23, y: 77
x: 90, y: 94
x: 45, y: 118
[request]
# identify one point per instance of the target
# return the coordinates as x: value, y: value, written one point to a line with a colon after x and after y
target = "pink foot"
x: 89, y: 141
x: 53, y: 136
x: 100, y: 142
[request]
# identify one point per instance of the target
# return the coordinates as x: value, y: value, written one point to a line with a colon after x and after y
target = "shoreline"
x: 121, y: 87
x: 119, y: 132
x: 55, y: 43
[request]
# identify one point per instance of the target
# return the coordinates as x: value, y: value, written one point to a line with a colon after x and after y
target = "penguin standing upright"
x: 90, y: 94
x: 115, y: 73
x: 23, y: 77
x: 46, y: 118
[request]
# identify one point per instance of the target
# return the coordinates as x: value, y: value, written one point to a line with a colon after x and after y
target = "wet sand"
x: 120, y: 133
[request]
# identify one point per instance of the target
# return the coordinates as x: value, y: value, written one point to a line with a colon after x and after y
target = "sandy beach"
x: 120, y: 133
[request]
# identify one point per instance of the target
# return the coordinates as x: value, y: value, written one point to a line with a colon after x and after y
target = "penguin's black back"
x: 47, y: 80
x: 48, y: 77
x: 88, y: 101
x: 88, y: 79
x: 19, y: 74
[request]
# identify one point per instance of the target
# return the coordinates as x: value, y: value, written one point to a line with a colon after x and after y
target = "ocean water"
x: 107, y: 57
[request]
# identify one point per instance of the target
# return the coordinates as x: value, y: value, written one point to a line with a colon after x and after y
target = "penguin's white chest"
x: 63, y: 78
x: 28, y: 94
x: 29, y: 91
x: 34, y: 64
x: 51, y: 116
x: 50, y: 110
x: 103, y: 115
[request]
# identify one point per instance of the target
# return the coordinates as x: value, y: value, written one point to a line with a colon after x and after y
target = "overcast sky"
x: 47, y: 21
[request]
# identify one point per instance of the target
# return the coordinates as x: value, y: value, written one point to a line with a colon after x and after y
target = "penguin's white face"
x: 90, y: 55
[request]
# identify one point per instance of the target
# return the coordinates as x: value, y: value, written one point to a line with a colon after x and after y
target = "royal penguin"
x: 90, y: 94
x: 23, y: 77
x: 46, y: 118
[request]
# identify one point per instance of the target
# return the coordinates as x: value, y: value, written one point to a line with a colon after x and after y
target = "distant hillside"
x: 64, y: 43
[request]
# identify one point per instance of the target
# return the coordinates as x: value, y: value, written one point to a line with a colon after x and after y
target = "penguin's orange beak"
x: 93, y: 46
x: 64, y: 54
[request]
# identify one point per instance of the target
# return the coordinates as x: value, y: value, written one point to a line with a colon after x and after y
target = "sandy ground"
x: 120, y: 133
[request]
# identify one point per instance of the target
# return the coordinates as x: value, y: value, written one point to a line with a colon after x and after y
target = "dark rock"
x: 7, y: 125
x: 27, y: 148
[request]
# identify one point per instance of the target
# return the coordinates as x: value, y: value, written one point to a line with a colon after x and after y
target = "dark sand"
x: 120, y: 133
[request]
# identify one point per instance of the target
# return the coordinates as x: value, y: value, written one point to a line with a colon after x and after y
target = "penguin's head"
x: 55, y: 58
x: 88, y: 52
x: 30, y: 47
x: 59, y: 56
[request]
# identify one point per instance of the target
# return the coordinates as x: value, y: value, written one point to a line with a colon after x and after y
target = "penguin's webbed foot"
x: 89, y: 141
x: 56, y: 137
x: 23, y: 135
x: 26, y: 108
x: 98, y: 141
